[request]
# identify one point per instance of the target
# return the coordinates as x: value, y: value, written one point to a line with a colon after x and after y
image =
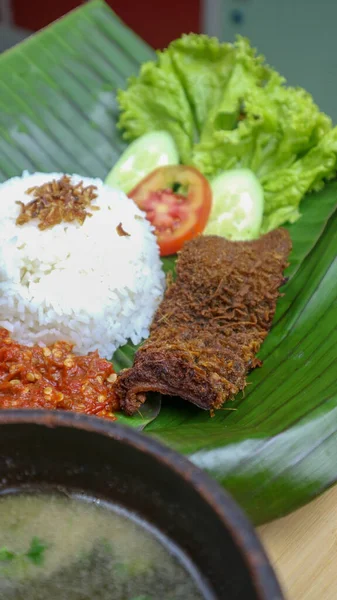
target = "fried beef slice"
x: 211, y: 322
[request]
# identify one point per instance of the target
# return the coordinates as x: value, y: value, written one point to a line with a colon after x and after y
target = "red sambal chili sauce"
x: 54, y: 378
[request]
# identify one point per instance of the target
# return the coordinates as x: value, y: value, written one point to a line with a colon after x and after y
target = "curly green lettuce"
x: 226, y: 108
x: 284, y: 188
x: 156, y: 101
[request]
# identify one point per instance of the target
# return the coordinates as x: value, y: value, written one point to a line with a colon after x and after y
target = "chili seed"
x: 68, y: 363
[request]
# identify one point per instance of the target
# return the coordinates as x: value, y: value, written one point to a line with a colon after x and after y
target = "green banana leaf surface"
x: 274, y: 449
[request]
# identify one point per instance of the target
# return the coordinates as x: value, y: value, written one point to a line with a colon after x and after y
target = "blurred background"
x: 297, y: 36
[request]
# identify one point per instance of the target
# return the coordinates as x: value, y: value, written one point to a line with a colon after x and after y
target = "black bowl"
x: 105, y: 460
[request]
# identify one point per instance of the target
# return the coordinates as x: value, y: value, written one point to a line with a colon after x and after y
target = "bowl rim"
x: 221, y: 502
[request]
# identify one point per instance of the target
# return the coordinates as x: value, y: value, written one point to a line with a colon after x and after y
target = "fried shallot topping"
x: 58, y: 201
x: 121, y: 231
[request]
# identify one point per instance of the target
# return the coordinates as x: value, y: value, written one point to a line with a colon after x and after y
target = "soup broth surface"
x: 54, y: 547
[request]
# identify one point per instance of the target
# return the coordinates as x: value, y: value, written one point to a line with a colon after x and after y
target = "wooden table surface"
x: 303, y: 549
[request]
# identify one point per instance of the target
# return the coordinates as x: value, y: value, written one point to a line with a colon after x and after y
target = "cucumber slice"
x: 151, y: 150
x: 237, y: 207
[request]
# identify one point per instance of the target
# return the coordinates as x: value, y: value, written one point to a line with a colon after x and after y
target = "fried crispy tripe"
x: 211, y: 322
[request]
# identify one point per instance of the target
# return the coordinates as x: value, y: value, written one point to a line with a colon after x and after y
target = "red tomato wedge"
x: 177, y: 201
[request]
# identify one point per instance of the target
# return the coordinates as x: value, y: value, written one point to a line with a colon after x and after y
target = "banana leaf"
x: 275, y: 448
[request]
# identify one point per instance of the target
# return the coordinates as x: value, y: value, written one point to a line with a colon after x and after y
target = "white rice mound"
x: 80, y: 283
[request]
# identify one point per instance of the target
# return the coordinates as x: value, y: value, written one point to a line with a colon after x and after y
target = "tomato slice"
x: 177, y: 201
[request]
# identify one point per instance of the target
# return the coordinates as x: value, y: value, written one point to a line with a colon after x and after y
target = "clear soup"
x: 57, y: 547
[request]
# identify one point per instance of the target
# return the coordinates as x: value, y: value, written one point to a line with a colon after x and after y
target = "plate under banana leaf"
x: 275, y: 448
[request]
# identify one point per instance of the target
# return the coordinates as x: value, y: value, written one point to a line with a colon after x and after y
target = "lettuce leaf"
x: 183, y: 91
x: 278, y: 125
x: 156, y: 101
x: 226, y: 108
x: 215, y: 77
x: 284, y: 188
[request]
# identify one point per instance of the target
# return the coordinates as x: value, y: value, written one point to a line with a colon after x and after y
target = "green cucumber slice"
x: 237, y: 207
x: 151, y: 150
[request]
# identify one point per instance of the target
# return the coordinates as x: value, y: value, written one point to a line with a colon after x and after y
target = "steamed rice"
x: 81, y: 283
